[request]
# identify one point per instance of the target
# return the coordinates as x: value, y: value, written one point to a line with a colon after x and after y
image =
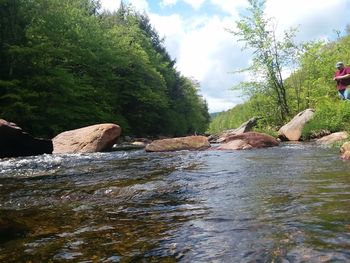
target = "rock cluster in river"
x: 15, y: 142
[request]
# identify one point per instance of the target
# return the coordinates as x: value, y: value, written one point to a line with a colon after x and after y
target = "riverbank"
x: 106, y: 137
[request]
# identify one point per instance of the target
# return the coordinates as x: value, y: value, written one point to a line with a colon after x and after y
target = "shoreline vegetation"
x: 276, y: 100
x: 107, y: 137
x: 67, y: 65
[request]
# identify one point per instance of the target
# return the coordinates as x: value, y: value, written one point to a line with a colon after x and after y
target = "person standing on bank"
x: 342, y: 77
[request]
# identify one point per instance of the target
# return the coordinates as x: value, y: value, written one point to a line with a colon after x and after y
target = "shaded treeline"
x: 65, y: 64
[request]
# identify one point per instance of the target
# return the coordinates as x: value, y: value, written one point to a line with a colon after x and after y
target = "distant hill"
x: 214, y: 114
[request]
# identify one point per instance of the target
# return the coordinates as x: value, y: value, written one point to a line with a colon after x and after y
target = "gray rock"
x: 14, y: 142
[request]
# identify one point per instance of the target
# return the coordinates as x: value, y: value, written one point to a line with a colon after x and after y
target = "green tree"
x: 66, y: 64
x: 270, y: 55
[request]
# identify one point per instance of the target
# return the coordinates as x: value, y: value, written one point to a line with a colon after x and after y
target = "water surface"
x: 283, y: 204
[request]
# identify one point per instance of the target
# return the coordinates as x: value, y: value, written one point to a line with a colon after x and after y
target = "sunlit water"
x: 283, y: 204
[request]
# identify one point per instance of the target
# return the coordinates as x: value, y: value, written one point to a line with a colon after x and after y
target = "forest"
x: 68, y: 64
x: 276, y: 98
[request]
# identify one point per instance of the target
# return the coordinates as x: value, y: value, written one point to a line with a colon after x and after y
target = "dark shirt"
x: 342, y: 83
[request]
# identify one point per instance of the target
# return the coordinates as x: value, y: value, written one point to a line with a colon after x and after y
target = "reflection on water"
x: 283, y: 204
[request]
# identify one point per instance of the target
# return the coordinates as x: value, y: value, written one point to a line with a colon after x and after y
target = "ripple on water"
x: 281, y: 204
x: 50, y: 164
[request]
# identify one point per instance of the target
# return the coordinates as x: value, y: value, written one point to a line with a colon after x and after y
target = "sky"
x: 195, y: 34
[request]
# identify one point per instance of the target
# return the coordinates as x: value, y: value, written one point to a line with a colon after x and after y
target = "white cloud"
x: 141, y: 5
x: 205, y: 51
x: 221, y: 104
x: 316, y: 19
x: 165, y: 3
x: 196, y: 4
x: 111, y: 5
x: 173, y: 28
x: 229, y: 6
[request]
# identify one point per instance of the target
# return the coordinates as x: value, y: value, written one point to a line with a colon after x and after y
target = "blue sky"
x: 185, y: 9
x: 195, y: 36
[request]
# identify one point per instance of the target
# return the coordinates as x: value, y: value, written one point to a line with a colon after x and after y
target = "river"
x: 284, y: 204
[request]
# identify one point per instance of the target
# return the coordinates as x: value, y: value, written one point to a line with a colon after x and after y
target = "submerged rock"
x: 15, y: 142
x: 249, y: 140
x: 177, y: 144
x: 95, y: 138
x: 293, y: 129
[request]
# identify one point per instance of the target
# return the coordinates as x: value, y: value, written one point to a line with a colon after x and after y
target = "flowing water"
x: 284, y: 204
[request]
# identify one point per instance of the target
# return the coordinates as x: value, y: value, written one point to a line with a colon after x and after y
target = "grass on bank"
x: 330, y: 116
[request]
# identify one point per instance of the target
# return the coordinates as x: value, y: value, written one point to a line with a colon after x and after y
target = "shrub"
x: 330, y: 115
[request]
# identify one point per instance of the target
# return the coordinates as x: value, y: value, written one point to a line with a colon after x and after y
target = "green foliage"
x: 270, y: 55
x: 310, y: 85
x: 258, y: 106
x: 66, y: 65
x: 330, y: 115
x: 231, y: 119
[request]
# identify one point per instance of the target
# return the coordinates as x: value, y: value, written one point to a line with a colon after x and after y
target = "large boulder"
x: 177, y: 144
x: 345, y: 151
x: 293, y: 129
x: 249, y: 140
x: 95, y: 138
x: 245, y: 127
x: 332, y: 138
x: 15, y: 142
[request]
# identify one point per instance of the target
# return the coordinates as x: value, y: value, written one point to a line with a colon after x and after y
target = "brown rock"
x: 249, y: 140
x: 293, y: 129
x: 177, y: 144
x: 345, y: 147
x: 346, y: 155
x: 95, y: 138
x: 345, y: 151
x: 332, y: 138
x: 235, y: 145
x: 15, y: 142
